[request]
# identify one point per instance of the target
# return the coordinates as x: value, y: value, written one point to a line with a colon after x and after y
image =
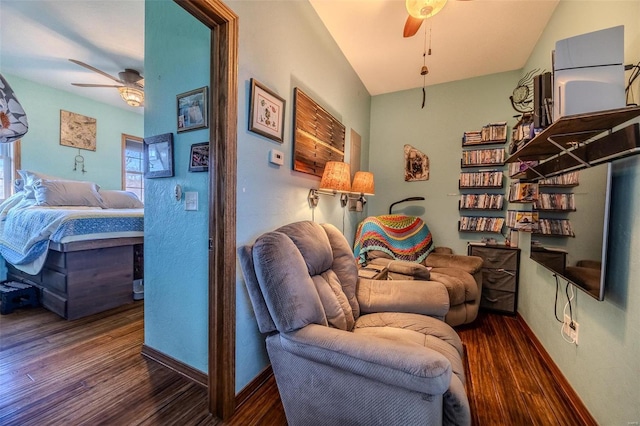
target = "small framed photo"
x: 158, y: 156
x: 266, y: 116
x: 199, y: 157
x: 192, y: 109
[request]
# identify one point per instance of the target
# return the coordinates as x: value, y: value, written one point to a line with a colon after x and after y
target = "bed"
x: 81, y: 246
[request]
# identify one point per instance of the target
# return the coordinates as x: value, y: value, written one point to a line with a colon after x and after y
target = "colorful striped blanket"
x: 402, y: 237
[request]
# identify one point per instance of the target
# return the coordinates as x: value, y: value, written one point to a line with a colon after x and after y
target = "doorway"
x: 223, y: 24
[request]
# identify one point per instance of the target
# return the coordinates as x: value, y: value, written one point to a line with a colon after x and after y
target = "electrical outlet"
x: 570, y: 329
x: 574, y: 332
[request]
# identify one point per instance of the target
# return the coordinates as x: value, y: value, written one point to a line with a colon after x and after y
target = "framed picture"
x: 266, y: 116
x: 199, y: 157
x: 77, y: 131
x: 192, y: 109
x: 158, y: 156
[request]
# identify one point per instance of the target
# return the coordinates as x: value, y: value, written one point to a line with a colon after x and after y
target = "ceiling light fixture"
x: 422, y: 9
x: 132, y: 96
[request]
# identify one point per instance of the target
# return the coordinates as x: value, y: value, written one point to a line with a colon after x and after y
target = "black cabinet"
x: 500, y: 273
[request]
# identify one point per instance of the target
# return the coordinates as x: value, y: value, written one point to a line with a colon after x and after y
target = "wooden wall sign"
x: 318, y: 136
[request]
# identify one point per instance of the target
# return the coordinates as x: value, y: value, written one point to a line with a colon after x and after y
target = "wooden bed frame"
x: 86, y: 277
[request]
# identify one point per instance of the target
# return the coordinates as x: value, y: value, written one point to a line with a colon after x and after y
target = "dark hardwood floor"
x: 90, y: 372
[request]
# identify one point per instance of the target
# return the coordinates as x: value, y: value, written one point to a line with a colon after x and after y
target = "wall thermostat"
x: 276, y: 157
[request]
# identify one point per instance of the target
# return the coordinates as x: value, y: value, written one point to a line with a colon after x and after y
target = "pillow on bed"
x: 114, y: 199
x: 18, y: 185
x: 29, y: 178
x: 67, y: 193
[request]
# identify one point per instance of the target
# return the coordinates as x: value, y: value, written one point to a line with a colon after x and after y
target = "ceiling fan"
x: 130, y: 84
x: 419, y: 10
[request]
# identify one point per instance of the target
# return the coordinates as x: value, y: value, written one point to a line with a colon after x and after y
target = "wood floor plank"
x: 91, y: 371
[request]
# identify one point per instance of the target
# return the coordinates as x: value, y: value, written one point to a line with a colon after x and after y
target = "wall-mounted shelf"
x: 577, y: 141
x: 481, y: 202
x: 481, y: 180
x: 480, y: 224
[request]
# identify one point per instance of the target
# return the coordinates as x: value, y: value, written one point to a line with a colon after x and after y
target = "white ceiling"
x: 38, y: 37
x: 469, y: 39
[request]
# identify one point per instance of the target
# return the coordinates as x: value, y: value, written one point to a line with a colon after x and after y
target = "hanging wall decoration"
x: 266, y: 113
x: 192, y: 109
x: 318, y: 136
x: 416, y: 164
x: 77, y: 131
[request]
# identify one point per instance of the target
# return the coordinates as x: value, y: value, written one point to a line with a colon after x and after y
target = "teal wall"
x: 177, y: 51
x: 604, y: 369
x: 41, y: 149
x: 294, y: 54
x: 284, y: 45
x: 451, y: 109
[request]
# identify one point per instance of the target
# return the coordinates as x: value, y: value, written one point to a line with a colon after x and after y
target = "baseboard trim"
x: 185, y: 370
x: 253, y: 386
x: 576, y: 403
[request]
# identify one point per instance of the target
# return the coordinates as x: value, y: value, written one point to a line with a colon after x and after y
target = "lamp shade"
x: 132, y: 96
x: 363, y: 183
x: 422, y: 9
x: 336, y: 177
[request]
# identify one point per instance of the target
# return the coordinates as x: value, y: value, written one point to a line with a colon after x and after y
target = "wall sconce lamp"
x: 363, y: 184
x: 335, y: 178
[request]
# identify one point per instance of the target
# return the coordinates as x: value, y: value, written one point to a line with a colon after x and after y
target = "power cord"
x: 635, y: 73
x: 570, y: 295
x: 555, y: 304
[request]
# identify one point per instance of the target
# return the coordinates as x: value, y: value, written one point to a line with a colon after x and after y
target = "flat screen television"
x: 581, y: 259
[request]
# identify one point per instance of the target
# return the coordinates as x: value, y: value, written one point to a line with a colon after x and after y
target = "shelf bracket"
x: 567, y: 151
x: 528, y: 167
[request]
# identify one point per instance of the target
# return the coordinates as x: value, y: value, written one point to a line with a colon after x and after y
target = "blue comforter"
x: 27, y: 229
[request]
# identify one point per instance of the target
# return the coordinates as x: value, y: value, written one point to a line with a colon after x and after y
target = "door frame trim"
x: 223, y: 116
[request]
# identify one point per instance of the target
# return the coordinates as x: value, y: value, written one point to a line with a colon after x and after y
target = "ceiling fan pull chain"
x: 424, y: 70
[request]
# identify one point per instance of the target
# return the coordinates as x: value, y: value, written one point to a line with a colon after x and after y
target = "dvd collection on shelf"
x: 481, y: 224
x: 520, y: 166
x: 481, y: 201
x: 555, y: 202
x: 567, y: 179
x: 523, y: 192
x: 488, y: 179
x: 522, y: 221
x: 479, y: 157
x: 491, y: 133
x: 559, y: 227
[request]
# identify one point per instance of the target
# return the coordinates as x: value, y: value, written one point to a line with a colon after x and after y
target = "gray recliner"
x: 347, y: 350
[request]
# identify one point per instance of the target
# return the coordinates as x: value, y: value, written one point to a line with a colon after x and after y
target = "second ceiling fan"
x: 130, y: 84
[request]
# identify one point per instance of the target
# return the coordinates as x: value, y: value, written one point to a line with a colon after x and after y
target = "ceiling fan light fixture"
x: 132, y: 96
x: 422, y: 9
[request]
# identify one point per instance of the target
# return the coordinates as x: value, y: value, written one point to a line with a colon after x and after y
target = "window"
x: 9, y: 163
x: 132, y: 165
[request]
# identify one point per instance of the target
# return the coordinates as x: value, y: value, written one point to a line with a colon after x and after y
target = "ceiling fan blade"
x: 96, y: 85
x: 412, y: 26
x: 82, y: 64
